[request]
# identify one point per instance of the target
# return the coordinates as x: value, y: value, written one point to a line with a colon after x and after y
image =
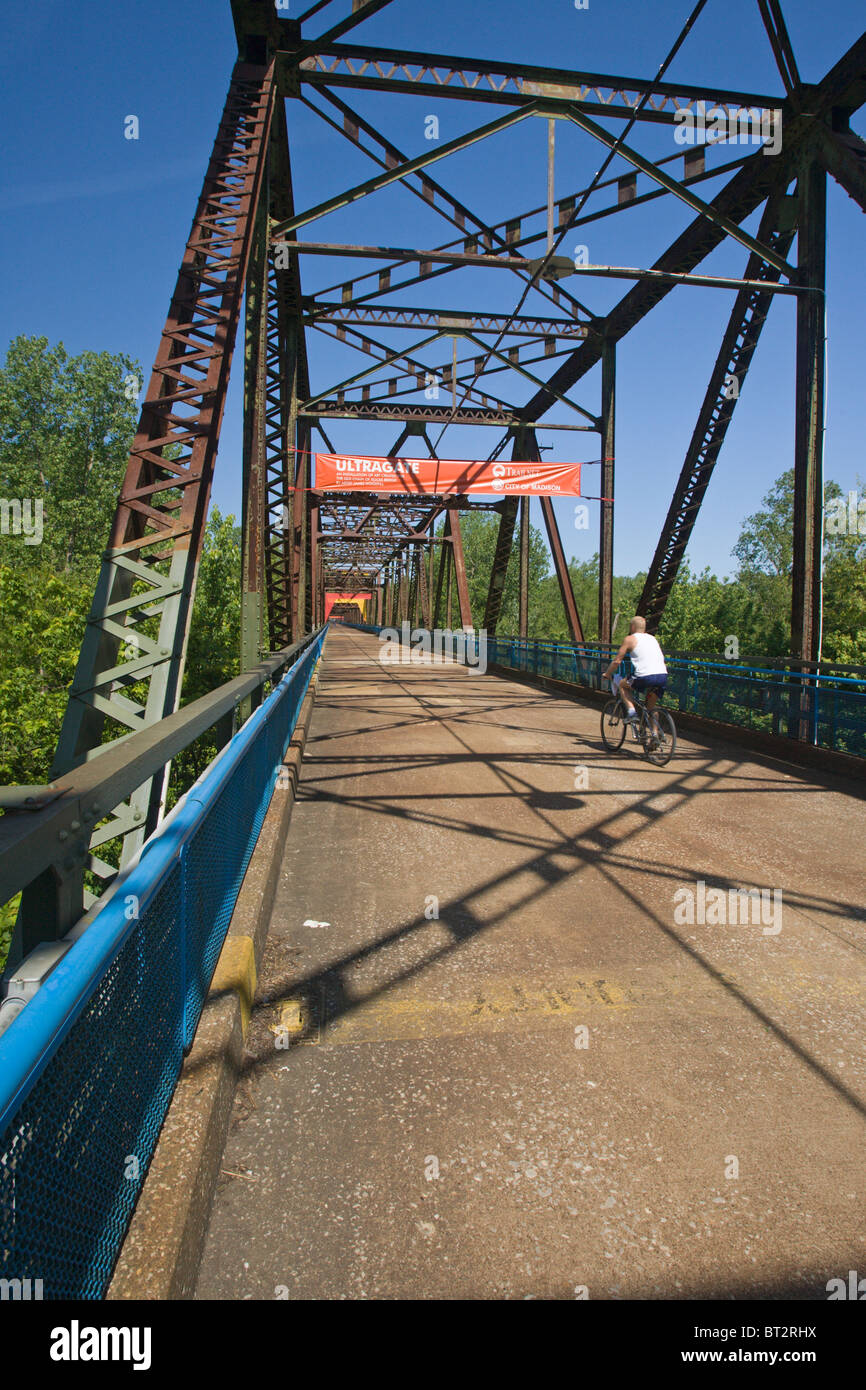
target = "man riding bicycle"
x: 650, y: 671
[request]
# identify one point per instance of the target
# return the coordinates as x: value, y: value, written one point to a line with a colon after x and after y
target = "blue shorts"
x: 640, y: 683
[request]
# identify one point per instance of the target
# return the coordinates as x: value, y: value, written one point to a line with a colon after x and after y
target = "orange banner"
x: 361, y: 599
x: 438, y: 477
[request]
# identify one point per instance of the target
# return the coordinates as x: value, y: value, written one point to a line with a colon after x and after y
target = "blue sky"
x: 93, y: 225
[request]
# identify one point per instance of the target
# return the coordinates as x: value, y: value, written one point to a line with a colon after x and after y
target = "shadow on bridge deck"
x: 555, y: 1083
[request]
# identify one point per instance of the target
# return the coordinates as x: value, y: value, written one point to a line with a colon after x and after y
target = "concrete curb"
x: 161, y: 1253
x: 711, y: 731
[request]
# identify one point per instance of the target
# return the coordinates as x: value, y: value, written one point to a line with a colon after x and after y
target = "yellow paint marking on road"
x: 236, y: 969
x: 499, y: 1006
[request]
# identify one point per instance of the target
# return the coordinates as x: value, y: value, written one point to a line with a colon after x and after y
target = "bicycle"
x: 657, y: 749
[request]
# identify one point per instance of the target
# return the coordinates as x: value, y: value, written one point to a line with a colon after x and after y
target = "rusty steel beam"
x: 156, y: 537
x: 560, y: 564
x: 253, y: 518
x: 288, y: 383
x: 739, y: 341
x: 511, y: 84
x: 450, y: 320
x: 842, y: 90
x: 843, y: 154
x: 499, y: 568
x: 774, y: 23
x: 375, y: 410
x: 431, y: 193
x: 606, y: 505
x: 361, y: 10
x: 459, y: 560
x: 809, y: 433
x: 400, y: 172
x: 523, y: 577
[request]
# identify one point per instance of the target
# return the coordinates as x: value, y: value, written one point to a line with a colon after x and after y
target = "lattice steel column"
x: 253, y: 639
x: 132, y: 658
x: 605, y: 529
x: 809, y: 440
x: 739, y: 342
x: 288, y: 384
x: 523, y: 580
x: 459, y: 569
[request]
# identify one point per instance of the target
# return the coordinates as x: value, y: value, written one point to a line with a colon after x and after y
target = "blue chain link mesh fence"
x: 826, y: 709
x: 81, y: 1121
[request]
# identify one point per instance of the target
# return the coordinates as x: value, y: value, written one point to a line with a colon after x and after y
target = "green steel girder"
x: 131, y: 665
x: 138, y: 625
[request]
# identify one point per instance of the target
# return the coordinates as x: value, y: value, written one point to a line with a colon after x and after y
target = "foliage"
x: 213, y: 650
x: 66, y: 426
x: 43, y: 616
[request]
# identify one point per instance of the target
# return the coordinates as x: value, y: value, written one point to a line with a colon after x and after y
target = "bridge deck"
x: 439, y: 1130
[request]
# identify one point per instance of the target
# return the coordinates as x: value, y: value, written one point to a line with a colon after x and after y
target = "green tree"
x: 845, y: 589
x: 765, y: 553
x: 479, y: 531
x: 765, y: 543
x: 43, y: 617
x: 66, y: 425
x: 213, y: 651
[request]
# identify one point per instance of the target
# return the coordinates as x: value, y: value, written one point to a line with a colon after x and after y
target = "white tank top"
x: 647, y: 656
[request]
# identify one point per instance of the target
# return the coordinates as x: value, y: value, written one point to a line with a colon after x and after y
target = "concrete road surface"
x: 491, y: 1056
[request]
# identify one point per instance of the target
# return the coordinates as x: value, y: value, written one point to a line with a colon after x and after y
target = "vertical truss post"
x: 460, y: 569
x: 307, y: 549
x: 423, y: 587
x: 429, y: 561
x: 560, y: 564
x: 386, y: 597
x: 298, y: 442
x: 501, y: 556
x: 288, y: 383
x: 440, y: 575
x: 412, y: 572
x: 725, y: 386
x: 523, y: 580
x: 280, y: 472
x: 809, y: 435
x: 402, y: 590
x: 606, y: 515
x: 449, y: 562
x: 313, y: 531
x: 569, y: 602
x: 254, y: 449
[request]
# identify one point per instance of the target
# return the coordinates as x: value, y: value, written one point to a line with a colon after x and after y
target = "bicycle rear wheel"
x: 667, y: 738
x: 612, y: 725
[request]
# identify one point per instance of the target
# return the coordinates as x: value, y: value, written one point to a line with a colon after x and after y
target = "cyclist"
x: 650, y: 671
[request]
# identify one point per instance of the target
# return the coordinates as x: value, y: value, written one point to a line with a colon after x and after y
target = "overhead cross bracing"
x: 382, y: 339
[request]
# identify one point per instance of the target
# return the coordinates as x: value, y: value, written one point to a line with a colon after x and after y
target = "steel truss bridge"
x: 240, y: 273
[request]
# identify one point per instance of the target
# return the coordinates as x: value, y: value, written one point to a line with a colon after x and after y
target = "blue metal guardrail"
x: 88, y: 1069
x: 825, y: 709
